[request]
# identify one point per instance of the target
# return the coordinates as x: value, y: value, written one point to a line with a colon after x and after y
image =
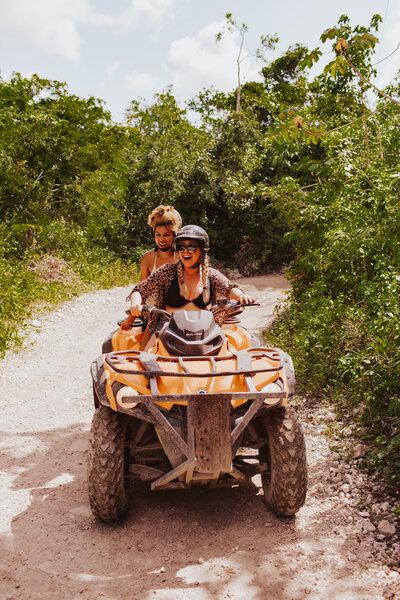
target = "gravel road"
x: 207, y: 545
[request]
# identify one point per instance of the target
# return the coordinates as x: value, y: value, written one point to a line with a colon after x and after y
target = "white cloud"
x: 139, y: 12
x: 144, y: 84
x: 200, y: 62
x: 389, y: 39
x: 154, y: 11
x: 48, y: 25
x: 112, y: 68
x: 51, y: 26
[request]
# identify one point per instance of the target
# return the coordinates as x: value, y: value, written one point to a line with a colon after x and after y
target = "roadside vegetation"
x: 291, y: 172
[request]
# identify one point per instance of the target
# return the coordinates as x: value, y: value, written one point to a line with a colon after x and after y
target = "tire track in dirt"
x: 192, y: 545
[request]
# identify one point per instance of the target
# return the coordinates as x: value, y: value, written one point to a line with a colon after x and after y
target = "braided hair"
x: 204, y: 266
x: 205, y: 279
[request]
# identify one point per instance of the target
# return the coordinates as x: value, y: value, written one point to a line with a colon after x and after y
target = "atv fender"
x: 289, y: 371
x: 99, y: 383
x: 107, y: 344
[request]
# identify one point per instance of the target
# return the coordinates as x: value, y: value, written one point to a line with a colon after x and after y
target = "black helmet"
x: 195, y: 233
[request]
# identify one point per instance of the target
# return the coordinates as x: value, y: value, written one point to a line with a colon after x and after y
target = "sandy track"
x: 208, y: 545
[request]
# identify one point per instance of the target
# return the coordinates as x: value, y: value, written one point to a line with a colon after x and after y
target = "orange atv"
x: 202, y: 407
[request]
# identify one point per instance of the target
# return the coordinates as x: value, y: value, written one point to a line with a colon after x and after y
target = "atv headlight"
x: 124, y: 396
x: 272, y: 388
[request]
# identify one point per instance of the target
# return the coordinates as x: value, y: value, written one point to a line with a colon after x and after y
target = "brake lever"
x: 147, y: 311
x: 231, y: 307
x: 247, y: 305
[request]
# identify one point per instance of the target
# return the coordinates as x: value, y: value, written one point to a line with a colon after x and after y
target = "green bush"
x: 343, y: 324
x: 61, y: 262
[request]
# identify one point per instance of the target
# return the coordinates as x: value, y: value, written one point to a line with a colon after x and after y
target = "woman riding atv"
x: 204, y: 407
x: 189, y: 284
x: 164, y: 223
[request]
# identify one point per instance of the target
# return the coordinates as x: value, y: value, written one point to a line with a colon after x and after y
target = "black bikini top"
x: 176, y: 300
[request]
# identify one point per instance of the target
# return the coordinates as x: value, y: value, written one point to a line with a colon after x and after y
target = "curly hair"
x: 167, y: 216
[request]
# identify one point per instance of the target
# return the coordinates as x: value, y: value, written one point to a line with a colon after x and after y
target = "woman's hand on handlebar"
x: 136, y: 305
x: 241, y: 297
x: 245, y: 299
x: 136, y: 310
x: 233, y: 304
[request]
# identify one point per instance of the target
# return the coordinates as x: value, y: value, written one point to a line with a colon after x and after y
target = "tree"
x: 342, y: 325
x: 61, y: 158
x: 267, y: 42
x: 169, y: 150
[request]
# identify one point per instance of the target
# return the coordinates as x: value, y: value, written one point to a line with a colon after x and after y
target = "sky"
x: 124, y: 50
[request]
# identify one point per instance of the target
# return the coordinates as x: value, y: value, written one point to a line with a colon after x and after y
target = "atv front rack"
x: 153, y: 369
x: 203, y: 448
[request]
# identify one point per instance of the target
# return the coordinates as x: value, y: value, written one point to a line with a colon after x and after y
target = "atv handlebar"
x: 147, y: 311
x: 222, y: 305
x: 230, y: 305
x: 141, y: 319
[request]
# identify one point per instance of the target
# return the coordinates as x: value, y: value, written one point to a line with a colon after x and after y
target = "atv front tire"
x: 285, y: 480
x: 107, y: 467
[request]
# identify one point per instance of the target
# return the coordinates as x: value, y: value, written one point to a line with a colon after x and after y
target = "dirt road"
x: 209, y: 545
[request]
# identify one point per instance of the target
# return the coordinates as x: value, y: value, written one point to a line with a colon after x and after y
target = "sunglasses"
x: 191, y: 248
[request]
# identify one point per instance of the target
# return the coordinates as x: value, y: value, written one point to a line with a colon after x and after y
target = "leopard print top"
x: 154, y: 289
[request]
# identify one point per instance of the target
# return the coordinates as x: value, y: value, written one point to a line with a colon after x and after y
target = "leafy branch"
x: 342, y: 60
x: 342, y: 49
x: 299, y: 123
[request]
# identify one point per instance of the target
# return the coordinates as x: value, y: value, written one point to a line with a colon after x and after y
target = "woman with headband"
x: 164, y: 223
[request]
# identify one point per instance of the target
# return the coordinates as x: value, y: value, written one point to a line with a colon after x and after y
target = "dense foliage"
x: 213, y: 173
x: 343, y: 323
x: 295, y: 171
x: 62, y: 183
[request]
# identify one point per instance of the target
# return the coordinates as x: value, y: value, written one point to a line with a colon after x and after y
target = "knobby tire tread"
x: 285, y: 488
x: 108, y: 494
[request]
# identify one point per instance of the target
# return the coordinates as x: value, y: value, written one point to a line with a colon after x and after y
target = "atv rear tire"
x: 285, y: 481
x: 107, y: 467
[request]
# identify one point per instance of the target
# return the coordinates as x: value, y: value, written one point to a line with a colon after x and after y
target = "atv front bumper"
x: 201, y: 447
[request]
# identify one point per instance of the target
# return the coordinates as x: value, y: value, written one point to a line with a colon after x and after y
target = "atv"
x: 205, y: 406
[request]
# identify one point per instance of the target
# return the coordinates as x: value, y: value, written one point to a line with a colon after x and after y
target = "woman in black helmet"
x: 189, y: 284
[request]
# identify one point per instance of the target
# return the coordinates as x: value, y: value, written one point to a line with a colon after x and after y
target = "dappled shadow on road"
x: 195, y: 544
